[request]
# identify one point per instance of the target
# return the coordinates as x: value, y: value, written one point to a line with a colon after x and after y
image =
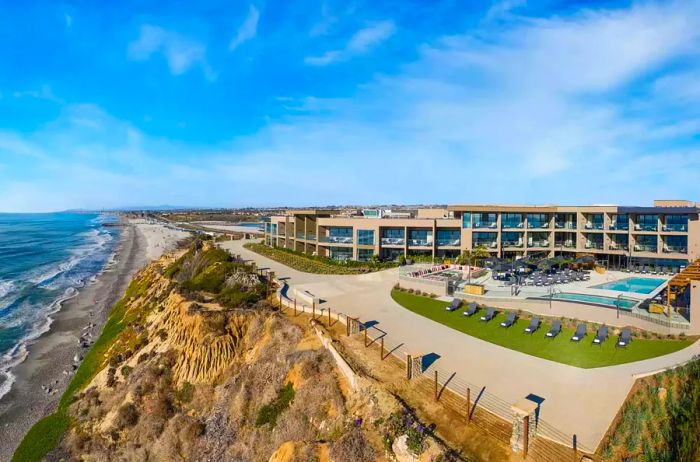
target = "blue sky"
x: 213, y: 103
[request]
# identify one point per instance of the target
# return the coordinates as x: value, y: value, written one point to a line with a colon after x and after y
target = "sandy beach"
x: 47, y: 370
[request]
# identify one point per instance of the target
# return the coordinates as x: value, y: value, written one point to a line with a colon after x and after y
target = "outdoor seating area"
x: 540, y: 272
x: 660, y: 270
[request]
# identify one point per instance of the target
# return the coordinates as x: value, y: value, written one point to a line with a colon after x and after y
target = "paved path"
x: 576, y: 401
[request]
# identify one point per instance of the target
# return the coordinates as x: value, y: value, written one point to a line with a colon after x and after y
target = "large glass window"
x: 646, y: 243
x: 488, y: 240
x: 365, y: 254
x: 365, y: 237
x: 340, y: 235
x: 619, y: 242
x: 537, y: 220
x: 594, y: 241
x: 594, y: 221
x: 564, y: 240
x: 393, y: 236
x: 676, y: 244
x: 675, y: 223
x: 466, y: 220
x: 448, y: 237
x: 565, y: 221
x: 620, y: 221
x: 340, y: 253
x: 538, y: 240
x: 647, y: 222
x: 511, y: 239
x: 485, y: 220
x: 420, y: 237
x: 511, y: 220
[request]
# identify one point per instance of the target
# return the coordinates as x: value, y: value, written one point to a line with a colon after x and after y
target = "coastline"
x: 48, y: 365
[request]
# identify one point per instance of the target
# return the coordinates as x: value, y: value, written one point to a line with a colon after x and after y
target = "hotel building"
x: 666, y: 234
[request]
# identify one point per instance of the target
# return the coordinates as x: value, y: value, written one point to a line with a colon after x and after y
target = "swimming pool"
x: 636, y: 285
x: 611, y: 302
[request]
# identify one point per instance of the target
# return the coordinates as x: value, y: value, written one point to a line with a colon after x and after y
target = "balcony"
x: 485, y: 225
x: 301, y: 236
x: 645, y: 248
x: 645, y: 227
x: 538, y: 224
x: 675, y: 228
x: 513, y: 225
x: 593, y: 226
x: 675, y: 249
x: 619, y: 226
x: 393, y: 241
x: 512, y: 244
x: 594, y: 245
x: 618, y: 246
x: 336, y: 239
x: 538, y: 243
x: 310, y: 237
x: 565, y: 225
x: 420, y: 242
x: 565, y: 244
x: 487, y: 244
x: 448, y: 242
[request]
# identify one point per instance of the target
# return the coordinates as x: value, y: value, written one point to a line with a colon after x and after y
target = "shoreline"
x: 48, y: 367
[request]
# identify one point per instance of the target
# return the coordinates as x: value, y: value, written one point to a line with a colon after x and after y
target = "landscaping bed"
x: 560, y: 349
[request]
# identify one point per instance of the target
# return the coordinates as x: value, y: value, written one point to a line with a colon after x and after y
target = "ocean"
x: 44, y: 260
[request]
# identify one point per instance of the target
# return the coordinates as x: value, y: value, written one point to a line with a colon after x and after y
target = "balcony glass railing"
x: 393, y: 241
x: 336, y: 239
x: 675, y: 248
x: 485, y: 225
x: 565, y: 244
x: 420, y: 242
x: 537, y: 224
x: 310, y: 237
x: 300, y: 236
x: 618, y: 246
x: 619, y: 226
x: 591, y: 225
x: 645, y: 248
x: 512, y: 225
x: 645, y: 227
x: 448, y: 242
x: 512, y: 244
x: 539, y: 243
x: 594, y: 245
x: 675, y: 228
x: 487, y: 244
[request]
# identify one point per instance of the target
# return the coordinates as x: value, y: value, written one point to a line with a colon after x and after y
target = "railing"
x: 655, y: 320
x: 594, y: 226
x: 541, y: 243
x: 645, y: 248
x: 393, y: 241
x: 675, y: 249
x: 512, y: 225
x: 512, y: 244
x: 594, y: 245
x: 420, y: 242
x: 567, y: 225
x: 617, y: 246
x: 616, y: 227
x: 675, y: 228
x: 567, y: 244
x: 537, y: 224
x: 487, y: 244
x: 643, y: 227
x: 310, y: 237
x: 448, y: 242
x: 485, y: 225
x: 335, y: 239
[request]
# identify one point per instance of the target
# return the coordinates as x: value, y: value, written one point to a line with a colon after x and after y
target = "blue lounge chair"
x: 625, y: 338
x: 601, y: 336
x: 554, y: 329
x: 510, y: 320
x: 473, y: 308
x: 579, y: 334
x: 489, y: 315
x: 456, y: 303
x: 534, y: 325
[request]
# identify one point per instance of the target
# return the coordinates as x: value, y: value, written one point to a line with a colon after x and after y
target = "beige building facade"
x: 664, y: 234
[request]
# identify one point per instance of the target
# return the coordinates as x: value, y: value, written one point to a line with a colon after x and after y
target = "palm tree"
x: 472, y: 257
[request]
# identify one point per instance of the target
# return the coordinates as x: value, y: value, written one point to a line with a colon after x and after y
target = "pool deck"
x: 576, y: 401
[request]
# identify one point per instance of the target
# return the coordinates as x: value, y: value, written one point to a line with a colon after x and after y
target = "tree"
x: 474, y: 257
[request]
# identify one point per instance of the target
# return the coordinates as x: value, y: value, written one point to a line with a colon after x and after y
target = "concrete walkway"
x: 576, y: 401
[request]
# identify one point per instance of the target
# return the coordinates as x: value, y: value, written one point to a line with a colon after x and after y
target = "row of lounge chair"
x: 658, y: 270
x: 555, y: 328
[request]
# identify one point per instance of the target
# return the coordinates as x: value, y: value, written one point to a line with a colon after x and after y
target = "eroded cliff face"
x: 189, y: 380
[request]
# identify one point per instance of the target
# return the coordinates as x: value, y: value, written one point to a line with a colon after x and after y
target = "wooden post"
x: 469, y: 405
x: 526, y: 434
x: 347, y: 327
x: 436, y: 386
x: 381, y: 350
x: 295, y: 307
x: 409, y: 366
x: 313, y: 311
x: 281, y: 305
x: 329, y: 316
x: 575, y: 443
x: 365, y: 336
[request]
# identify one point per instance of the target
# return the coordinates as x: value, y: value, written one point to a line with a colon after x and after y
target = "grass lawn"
x: 560, y: 349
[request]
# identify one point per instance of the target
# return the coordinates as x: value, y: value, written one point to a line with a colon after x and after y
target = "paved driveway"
x: 576, y: 401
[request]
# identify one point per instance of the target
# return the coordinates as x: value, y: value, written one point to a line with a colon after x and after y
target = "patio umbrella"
x: 492, y: 261
x: 585, y: 259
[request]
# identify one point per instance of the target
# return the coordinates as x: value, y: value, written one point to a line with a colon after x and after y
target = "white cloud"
x: 248, y: 30
x: 361, y: 42
x: 181, y: 53
x: 68, y: 19
x: 44, y: 92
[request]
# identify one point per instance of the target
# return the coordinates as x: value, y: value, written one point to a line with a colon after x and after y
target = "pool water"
x: 636, y: 285
x: 625, y: 303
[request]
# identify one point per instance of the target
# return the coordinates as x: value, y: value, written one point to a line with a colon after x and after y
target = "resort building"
x: 666, y: 234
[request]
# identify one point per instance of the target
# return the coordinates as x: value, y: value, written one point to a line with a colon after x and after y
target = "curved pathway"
x: 576, y: 401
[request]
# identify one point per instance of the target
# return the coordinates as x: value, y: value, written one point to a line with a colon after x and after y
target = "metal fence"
x: 451, y: 388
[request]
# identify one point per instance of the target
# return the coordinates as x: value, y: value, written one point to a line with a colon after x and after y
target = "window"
x: 594, y: 221
x: 365, y: 254
x: 620, y: 221
x: 646, y: 243
x: 488, y: 240
x: 420, y: 237
x: 537, y: 220
x: 647, y: 222
x: 511, y: 220
x: 393, y: 236
x: 565, y: 221
x: 365, y: 237
x: 678, y: 244
x: 448, y: 237
x: 340, y: 235
x: 340, y: 253
x: 676, y: 223
x: 485, y: 220
x: 466, y: 220
x: 512, y: 240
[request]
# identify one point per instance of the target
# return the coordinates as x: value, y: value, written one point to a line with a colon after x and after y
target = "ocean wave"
x: 6, y: 287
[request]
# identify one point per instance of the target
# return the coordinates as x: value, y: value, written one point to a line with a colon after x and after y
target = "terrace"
x: 538, y: 240
x: 393, y: 237
x: 511, y: 239
x: 675, y: 244
x: 485, y: 221
x: 512, y: 221
x: 448, y: 238
x: 420, y: 238
x: 565, y: 221
x: 648, y: 223
x: 675, y: 223
x: 537, y: 220
x: 594, y: 221
x: 646, y: 244
x: 619, y: 222
x: 488, y: 240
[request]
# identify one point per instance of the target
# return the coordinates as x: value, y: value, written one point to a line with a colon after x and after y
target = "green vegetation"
x: 315, y: 264
x: 559, y: 349
x: 269, y: 413
x: 42, y: 438
x: 660, y: 421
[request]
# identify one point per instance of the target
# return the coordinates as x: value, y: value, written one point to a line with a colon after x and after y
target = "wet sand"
x: 48, y: 368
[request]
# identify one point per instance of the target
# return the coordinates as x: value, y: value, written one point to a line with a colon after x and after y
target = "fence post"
x: 313, y: 311
x: 409, y: 366
x: 329, y: 316
x: 281, y: 305
x: 526, y: 434
x: 381, y: 350
x: 295, y: 307
x: 365, y: 336
x: 347, y: 327
x: 575, y: 448
x: 469, y: 405
x: 436, y: 386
